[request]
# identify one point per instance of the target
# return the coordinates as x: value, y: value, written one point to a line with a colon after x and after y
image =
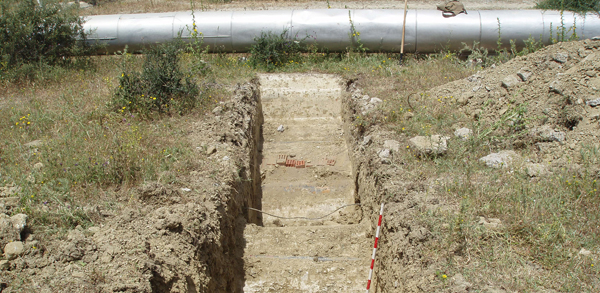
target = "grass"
x: 546, y: 221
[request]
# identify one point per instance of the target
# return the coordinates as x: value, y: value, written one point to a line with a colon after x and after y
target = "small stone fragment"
x: 590, y: 73
x: 593, y: 103
x: 366, y: 140
x: 524, y: 74
x: 4, y: 265
x: 217, y: 110
x: 429, y: 145
x: 561, y: 57
x: 545, y: 133
x: 375, y: 101
x: 280, y: 128
x: 393, y: 145
x: 35, y: 143
x: 211, y: 150
x: 38, y: 166
x: 13, y: 249
x: 511, y: 81
x: 491, y: 223
x: 384, y: 154
x: 19, y: 221
x: 535, y: 169
x: 463, y: 133
x: 556, y: 87
x: 585, y: 252
x: 500, y: 159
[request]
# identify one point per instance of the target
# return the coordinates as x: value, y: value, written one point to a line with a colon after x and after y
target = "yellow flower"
x: 444, y: 276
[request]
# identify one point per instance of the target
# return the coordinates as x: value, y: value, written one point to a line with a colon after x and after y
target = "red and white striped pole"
x: 375, y: 248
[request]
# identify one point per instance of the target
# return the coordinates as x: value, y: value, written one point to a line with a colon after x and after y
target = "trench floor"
x: 306, y: 173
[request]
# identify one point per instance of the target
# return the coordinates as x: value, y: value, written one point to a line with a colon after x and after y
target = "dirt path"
x: 297, y: 255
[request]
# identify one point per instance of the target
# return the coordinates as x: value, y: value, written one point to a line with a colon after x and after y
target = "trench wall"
x: 242, y: 129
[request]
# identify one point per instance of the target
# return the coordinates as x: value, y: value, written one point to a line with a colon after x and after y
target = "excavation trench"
x: 304, y: 242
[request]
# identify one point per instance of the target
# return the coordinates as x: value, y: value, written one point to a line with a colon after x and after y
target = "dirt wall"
x: 399, y: 264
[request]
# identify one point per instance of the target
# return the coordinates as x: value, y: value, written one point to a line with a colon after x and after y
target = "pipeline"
x: 427, y: 31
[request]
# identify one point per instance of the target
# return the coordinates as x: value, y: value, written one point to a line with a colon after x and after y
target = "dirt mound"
x: 543, y: 107
x: 549, y: 99
x: 178, y: 237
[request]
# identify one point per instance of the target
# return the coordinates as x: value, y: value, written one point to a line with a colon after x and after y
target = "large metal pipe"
x: 380, y: 30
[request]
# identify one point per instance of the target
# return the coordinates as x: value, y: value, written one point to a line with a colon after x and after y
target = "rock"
x: 524, y: 74
x: 4, y: 265
x: 71, y: 252
x: 7, y: 231
x: 366, y: 140
x: 462, y: 100
x: 547, y: 134
x: 593, y: 103
x: 185, y: 189
x: 280, y: 128
x: 393, y: 145
x: 375, y: 101
x: 211, y: 150
x: 585, y: 252
x: 19, y: 221
x: 418, y: 235
x: 535, y: 169
x: 225, y: 158
x: 463, y: 133
x: 408, y: 115
x: 38, y: 166
x: 217, y: 110
x: 561, y: 57
x: 492, y: 223
x: 594, y: 83
x: 35, y: 143
x: 384, y: 154
x: 460, y: 284
x: 93, y: 230
x: 490, y: 289
x: 590, y: 73
x: 429, y: 145
x: 556, y: 87
x: 502, y: 159
x: 13, y: 249
x: 511, y: 81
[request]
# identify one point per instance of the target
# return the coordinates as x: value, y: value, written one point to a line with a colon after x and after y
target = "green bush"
x: 271, y: 51
x: 161, y: 86
x: 579, y: 6
x: 34, y: 38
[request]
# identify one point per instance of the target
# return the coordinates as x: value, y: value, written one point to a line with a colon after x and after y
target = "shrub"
x: 160, y: 87
x: 579, y: 6
x: 34, y: 37
x: 271, y: 51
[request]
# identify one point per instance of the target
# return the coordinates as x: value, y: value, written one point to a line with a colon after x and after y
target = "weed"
x: 579, y: 6
x: 271, y: 51
x: 161, y: 86
x: 357, y: 44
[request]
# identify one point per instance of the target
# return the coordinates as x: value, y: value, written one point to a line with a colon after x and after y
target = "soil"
x: 559, y: 121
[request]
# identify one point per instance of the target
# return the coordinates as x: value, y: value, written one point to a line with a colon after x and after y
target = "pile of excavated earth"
x: 305, y: 161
